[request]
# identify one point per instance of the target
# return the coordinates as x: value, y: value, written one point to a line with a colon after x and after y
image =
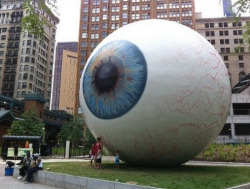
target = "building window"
x: 85, y: 9
x: 237, y: 32
x: 104, y: 17
x: 235, y: 24
x: 29, y: 42
x: 83, y: 53
x: 236, y: 41
x: 125, y: 15
x: 241, y: 65
x: 225, y: 50
x: 227, y: 65
x: 25, y: 76
x: 240, y: 57
x: 209, y: 25
x: 225, y: 57
x: 84, y: 18
x: 239, y: 49
x: 84, y: 35
x: 84, y: 26
x: 125, y: 7
x: 3, y: 37
x: 84, y: 44
x: 26, y: 68
x: 241, y: 75
x: 24, y: 85
x: 82, y: 62
x: 104, y: 34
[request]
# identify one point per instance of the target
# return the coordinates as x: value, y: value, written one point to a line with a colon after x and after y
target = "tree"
x: 239, y: 7
x: 73, y: 131
x: 32, y: 21
x: 29, y: 124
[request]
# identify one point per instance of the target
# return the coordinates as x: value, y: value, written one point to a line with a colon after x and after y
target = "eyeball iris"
x: 114, y: 79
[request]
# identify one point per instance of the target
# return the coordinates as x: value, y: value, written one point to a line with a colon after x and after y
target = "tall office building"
x: 25, y: 61
x: 227, y: 8
x: 69, y: 46
x: 227, y: 38
x: 99, y: 18
x: 68, y: 100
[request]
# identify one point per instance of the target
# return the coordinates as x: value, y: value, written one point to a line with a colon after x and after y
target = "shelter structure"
x: 8, y: 141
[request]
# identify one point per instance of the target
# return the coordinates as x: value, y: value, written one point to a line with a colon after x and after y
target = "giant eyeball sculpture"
x: 157, y: 91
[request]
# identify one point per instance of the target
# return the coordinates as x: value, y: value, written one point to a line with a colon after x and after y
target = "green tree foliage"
x: 32, y: 21
x: 29, y: 124
x: 73, y: 131
x: 240, y: 7
x: 90, y: 139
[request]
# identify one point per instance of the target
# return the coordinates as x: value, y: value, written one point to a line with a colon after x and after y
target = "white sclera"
x: 185, y: 102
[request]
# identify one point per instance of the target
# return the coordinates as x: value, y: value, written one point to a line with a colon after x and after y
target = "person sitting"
x: 25, y: 163
x: 38, y: 165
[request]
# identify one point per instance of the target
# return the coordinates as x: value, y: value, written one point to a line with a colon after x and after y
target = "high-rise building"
x: 227, y: 12
x: 69, y: 46
x: 227, y: 38
x: 25, y: 61
x: 99, y: 18
x: 68, y: 79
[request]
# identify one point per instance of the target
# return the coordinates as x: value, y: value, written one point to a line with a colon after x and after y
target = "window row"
x: 27, y: 59
x: 223, y: 33
x: 29, y: 43
x: 227, y: 50
x: 26, y: 76
x: 241, y: 65
x: 9, y: 77
x: 222, y: 24
x: 240, y: 57
x: 26, y: 68
x: 226, y: 41
x: 28, y: 51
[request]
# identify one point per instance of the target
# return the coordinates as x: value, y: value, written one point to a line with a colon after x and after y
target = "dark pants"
x: 22, y: 170
x: 30, y: 173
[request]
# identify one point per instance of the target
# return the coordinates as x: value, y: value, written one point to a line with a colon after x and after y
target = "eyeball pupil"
x: 105, y: 77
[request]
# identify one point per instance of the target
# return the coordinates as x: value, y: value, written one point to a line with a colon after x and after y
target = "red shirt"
x: 94, y: 150
x: 98, y: 144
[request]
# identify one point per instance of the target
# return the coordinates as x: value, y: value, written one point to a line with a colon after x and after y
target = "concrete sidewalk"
x: 9, y: 182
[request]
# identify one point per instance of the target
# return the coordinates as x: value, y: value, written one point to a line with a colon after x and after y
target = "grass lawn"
x: 188, y: 177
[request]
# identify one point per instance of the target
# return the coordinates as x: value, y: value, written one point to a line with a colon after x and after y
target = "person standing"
x: 15, y: 151
x: 99, y: 158
x: 98, y: 143
x: 117, y: 159
x: 93, y: 152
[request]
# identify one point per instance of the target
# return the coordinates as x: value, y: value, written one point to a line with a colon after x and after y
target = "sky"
x: 68, y: 28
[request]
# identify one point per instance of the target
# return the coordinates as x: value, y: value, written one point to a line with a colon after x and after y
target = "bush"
x: 228, y: 152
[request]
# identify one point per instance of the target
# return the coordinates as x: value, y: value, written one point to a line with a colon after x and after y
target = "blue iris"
x: 114, y: 79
